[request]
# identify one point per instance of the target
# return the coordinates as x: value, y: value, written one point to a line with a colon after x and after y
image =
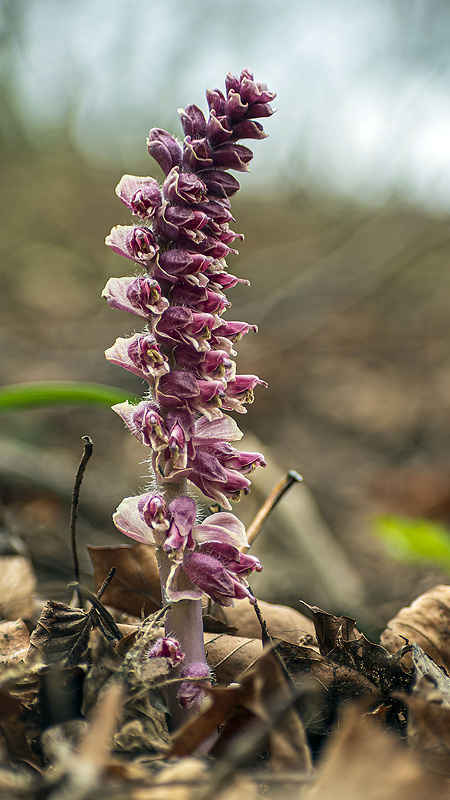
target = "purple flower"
x: 141, y: 195
x: 139, y: 354
x: 189, y: 692
x: 143, y: 518
x: 144, y: 422
x: 164, y: 148
x: 212, y: 464
x: 181, y: 325
x: 137, y: 243
x: 169, y: 649
x: 183, y: 188
x: 140, y: 296
x: 181, y: 241
x: 180, y: 222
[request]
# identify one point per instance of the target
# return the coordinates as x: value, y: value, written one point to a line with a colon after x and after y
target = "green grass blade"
x: 45, y: 394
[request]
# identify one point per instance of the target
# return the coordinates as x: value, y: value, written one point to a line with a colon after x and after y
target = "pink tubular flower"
x: 189, y: 692
x: 141, y: 195
x: 137, y: 243
x: 139, y: 354
x: 140, y: 296
x: 169, y: 649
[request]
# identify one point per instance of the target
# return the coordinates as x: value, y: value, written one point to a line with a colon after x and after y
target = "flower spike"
x: 180, y: 242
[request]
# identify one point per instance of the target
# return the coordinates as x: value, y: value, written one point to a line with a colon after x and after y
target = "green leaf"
x: 44, y: 394
x: 419, y: 540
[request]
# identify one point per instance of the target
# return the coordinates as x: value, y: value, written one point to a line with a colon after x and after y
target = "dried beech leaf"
x: 224, y: 701
x: 105, y: 663
x: 15, y: 740
x: 341, y: 642
x: 283, y: 622
x: 341, y: 683
x: 288, y: 746
x: 361, y: 761
x: 135, y: 588
x: 329, y: 628
x: 230, y: 656
x: 17, y: 586
x: 14, y: 641
x: 61, y: 634
x: 425, y: 622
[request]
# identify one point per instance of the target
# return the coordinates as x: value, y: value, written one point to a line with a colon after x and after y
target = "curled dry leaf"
x: 425, y: 622
x: 340, y: 682
x: 135, y: 588
x: 283, y: 622
x: 61, y: 635
x: 340, y: 641
x: 17, y: 586
x: 362, y: 761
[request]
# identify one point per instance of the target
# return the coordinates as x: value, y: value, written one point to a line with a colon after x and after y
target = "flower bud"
x: 164, y: 148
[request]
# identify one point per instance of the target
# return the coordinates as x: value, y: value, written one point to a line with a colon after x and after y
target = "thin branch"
x: 106, y: 582
x: 100, y: 609
x: 270, y: 502
x: 87, y: 452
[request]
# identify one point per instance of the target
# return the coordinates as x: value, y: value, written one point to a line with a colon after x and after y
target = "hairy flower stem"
x: 184, y: 622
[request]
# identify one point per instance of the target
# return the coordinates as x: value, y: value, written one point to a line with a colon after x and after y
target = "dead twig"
x: 269, y: 504
x: 87, y: 452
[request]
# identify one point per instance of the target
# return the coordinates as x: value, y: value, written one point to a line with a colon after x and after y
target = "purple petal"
x: 128, y: 520
x: 222, y: 527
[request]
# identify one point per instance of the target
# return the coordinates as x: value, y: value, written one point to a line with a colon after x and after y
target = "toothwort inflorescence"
x: 180, y: 242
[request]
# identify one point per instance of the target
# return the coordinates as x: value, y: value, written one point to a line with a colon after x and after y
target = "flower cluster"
x: 180, y: 242
x: 205, y: 558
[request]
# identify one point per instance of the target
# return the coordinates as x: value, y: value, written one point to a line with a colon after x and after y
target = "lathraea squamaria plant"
x: 179, y: 241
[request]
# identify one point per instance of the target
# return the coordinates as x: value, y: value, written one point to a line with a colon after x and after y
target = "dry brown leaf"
x: 135, y: 588
x: 17, y: 586
x: 230, y: 656
x: 283, y: 622
x: 61, y: 634
x: 14, y: 641
x: 340, y: 641
x: 425, y: 622
x: 362, y: 761
x: 341, y: 683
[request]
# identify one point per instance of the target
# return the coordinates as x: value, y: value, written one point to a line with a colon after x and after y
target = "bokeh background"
x: 346, y: 217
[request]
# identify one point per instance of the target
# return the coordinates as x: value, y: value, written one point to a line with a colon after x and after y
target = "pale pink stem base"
x: 184, y: 622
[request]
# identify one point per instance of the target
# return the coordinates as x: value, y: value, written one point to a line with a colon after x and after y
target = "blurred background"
x: 347, y: 247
